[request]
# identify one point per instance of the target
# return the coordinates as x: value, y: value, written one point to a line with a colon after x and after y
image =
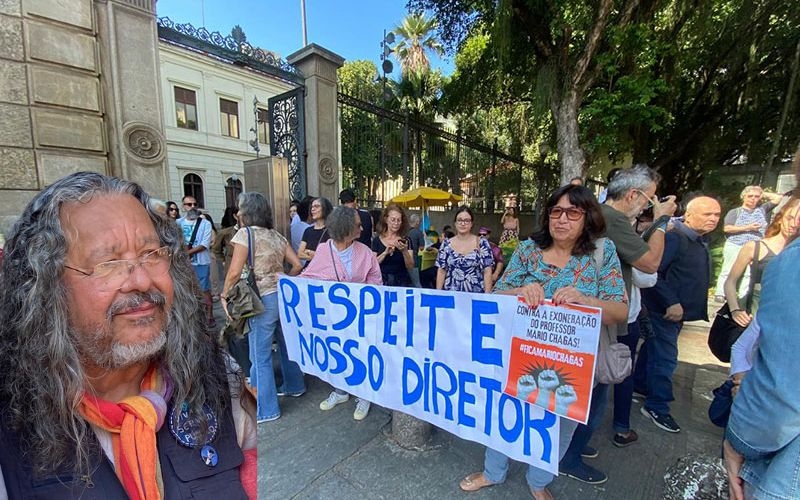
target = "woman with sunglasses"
x: 558, y: 264
x: 465, y: 261
x: 172, y: 210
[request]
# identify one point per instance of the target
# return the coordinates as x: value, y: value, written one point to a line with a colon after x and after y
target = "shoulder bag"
x: 614, y: 362
x: 724, y: 331
x: 244, y: 300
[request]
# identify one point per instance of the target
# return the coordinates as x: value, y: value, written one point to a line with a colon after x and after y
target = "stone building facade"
x: 78, y: 91
x: 210, y: 118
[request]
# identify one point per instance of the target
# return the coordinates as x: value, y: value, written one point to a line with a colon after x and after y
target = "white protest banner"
x: 553, y: 354
x: 439, y: 356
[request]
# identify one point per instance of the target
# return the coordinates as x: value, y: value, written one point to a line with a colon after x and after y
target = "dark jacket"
x: 683, y: 276
x: 184, y: 473
x: 366, y: 227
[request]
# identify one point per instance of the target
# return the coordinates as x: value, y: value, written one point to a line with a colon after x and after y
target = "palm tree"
x: 416, y: 37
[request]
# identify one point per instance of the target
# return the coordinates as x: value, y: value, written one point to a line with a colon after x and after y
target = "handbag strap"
x: 249, y: 249
x: 197, y: 223
x: 605, y: 330
x: 333, y: 260
x: 754, y: 275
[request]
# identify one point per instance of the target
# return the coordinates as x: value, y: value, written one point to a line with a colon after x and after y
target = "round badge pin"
x: 186, y: 429
x: 209, y: 455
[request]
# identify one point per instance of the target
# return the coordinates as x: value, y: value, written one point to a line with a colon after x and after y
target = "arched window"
x: 193, y: 186
x: 233, y: 188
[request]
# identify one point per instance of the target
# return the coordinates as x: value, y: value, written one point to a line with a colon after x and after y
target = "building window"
x: 233, y: 188
x: 193, y: 186
x: 229, y: 117
x: 263, y: 131
x: 185, y: 108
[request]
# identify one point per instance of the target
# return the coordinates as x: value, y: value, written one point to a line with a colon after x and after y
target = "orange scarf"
x: 133, y: 424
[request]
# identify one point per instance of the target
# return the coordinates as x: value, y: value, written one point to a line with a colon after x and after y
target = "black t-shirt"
x: 392, y: 264
x: 313, y: 237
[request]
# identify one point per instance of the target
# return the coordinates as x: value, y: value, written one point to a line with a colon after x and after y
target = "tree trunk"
x: 570, y: 153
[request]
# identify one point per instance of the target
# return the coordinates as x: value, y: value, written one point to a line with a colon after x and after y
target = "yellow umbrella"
x: 424, y: 197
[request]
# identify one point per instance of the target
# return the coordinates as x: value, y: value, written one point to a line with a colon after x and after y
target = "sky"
x: 351, y: 28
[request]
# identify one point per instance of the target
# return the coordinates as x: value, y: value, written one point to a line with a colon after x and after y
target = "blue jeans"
x: 495, y: 465
x: 658, y: 359
x: 263, y: 328
x: 583, y: 433
x: 623, y: 392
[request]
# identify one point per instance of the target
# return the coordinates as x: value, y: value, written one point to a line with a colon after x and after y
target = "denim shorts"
x: 203, y: 276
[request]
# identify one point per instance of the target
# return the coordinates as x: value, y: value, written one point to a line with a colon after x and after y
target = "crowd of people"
x: 133, y: 318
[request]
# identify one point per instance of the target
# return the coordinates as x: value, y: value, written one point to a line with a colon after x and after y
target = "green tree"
x: 684, y: 85
x: 361, y: 131
x: 542, y: 50
x: 416, y: 39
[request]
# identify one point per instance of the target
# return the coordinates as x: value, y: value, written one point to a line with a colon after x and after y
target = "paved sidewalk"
x: 311, y: 454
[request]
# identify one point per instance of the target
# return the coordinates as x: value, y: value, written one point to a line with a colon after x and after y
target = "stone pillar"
x: 410, y: 432
x: 78, y: 91
x: 128, y: 36
x: 269, y: 175
x: 319, y: 66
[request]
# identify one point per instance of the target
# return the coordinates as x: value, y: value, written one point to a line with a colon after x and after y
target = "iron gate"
x: 287, y: 136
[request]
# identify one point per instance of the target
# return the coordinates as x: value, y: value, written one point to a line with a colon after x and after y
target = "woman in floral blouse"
x: 465, y: 260
x: 558, y: 264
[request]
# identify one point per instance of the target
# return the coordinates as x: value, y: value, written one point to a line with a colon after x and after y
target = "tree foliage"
x: 417, y: 37
x: 360, y: 155
x: 681, y: 84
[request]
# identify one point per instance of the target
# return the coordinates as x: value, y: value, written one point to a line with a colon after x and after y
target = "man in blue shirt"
x: 197, y: 240
x: 681, y: 294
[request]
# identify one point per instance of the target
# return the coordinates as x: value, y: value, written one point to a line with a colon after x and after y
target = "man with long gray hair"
x: 110, y: 385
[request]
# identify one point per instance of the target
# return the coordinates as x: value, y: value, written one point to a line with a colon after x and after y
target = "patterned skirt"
x: 508, y: 235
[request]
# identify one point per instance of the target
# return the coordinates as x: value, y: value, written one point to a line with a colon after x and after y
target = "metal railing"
x: 385, y: 152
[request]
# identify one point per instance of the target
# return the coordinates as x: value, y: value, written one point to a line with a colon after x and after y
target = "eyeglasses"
x: 172, y: 209
x: 649, y: 200
x: 190, y: 204
x: 463, y: 221
x: 111, y: 275
x: 572, y: 212
x: 394, y: 220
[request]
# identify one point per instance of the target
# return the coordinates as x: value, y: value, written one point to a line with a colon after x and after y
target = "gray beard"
x: 100, y: 350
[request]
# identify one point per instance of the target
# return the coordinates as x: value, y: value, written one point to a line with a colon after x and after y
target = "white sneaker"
x: 362, y: 408
x: 333, y: 400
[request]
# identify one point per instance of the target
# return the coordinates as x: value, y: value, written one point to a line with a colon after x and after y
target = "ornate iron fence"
x: 287, y: 136
x: 227, y: 48
x: 385, y: 152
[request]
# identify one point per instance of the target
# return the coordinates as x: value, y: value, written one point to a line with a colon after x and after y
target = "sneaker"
x: 665, y: 422
x: 269, y: 419
x: 291, y: 394
x: 584, y: 473
x: 362, y: 408
x: 589, y: 452
x: 623, y: 440
x: 333, y: 400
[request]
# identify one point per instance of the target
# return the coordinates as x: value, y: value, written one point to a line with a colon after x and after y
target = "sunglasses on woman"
x: 573, y: 213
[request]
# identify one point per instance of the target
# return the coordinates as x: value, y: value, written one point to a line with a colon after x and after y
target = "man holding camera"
x: 196, y: 241
x: 630, y: 192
